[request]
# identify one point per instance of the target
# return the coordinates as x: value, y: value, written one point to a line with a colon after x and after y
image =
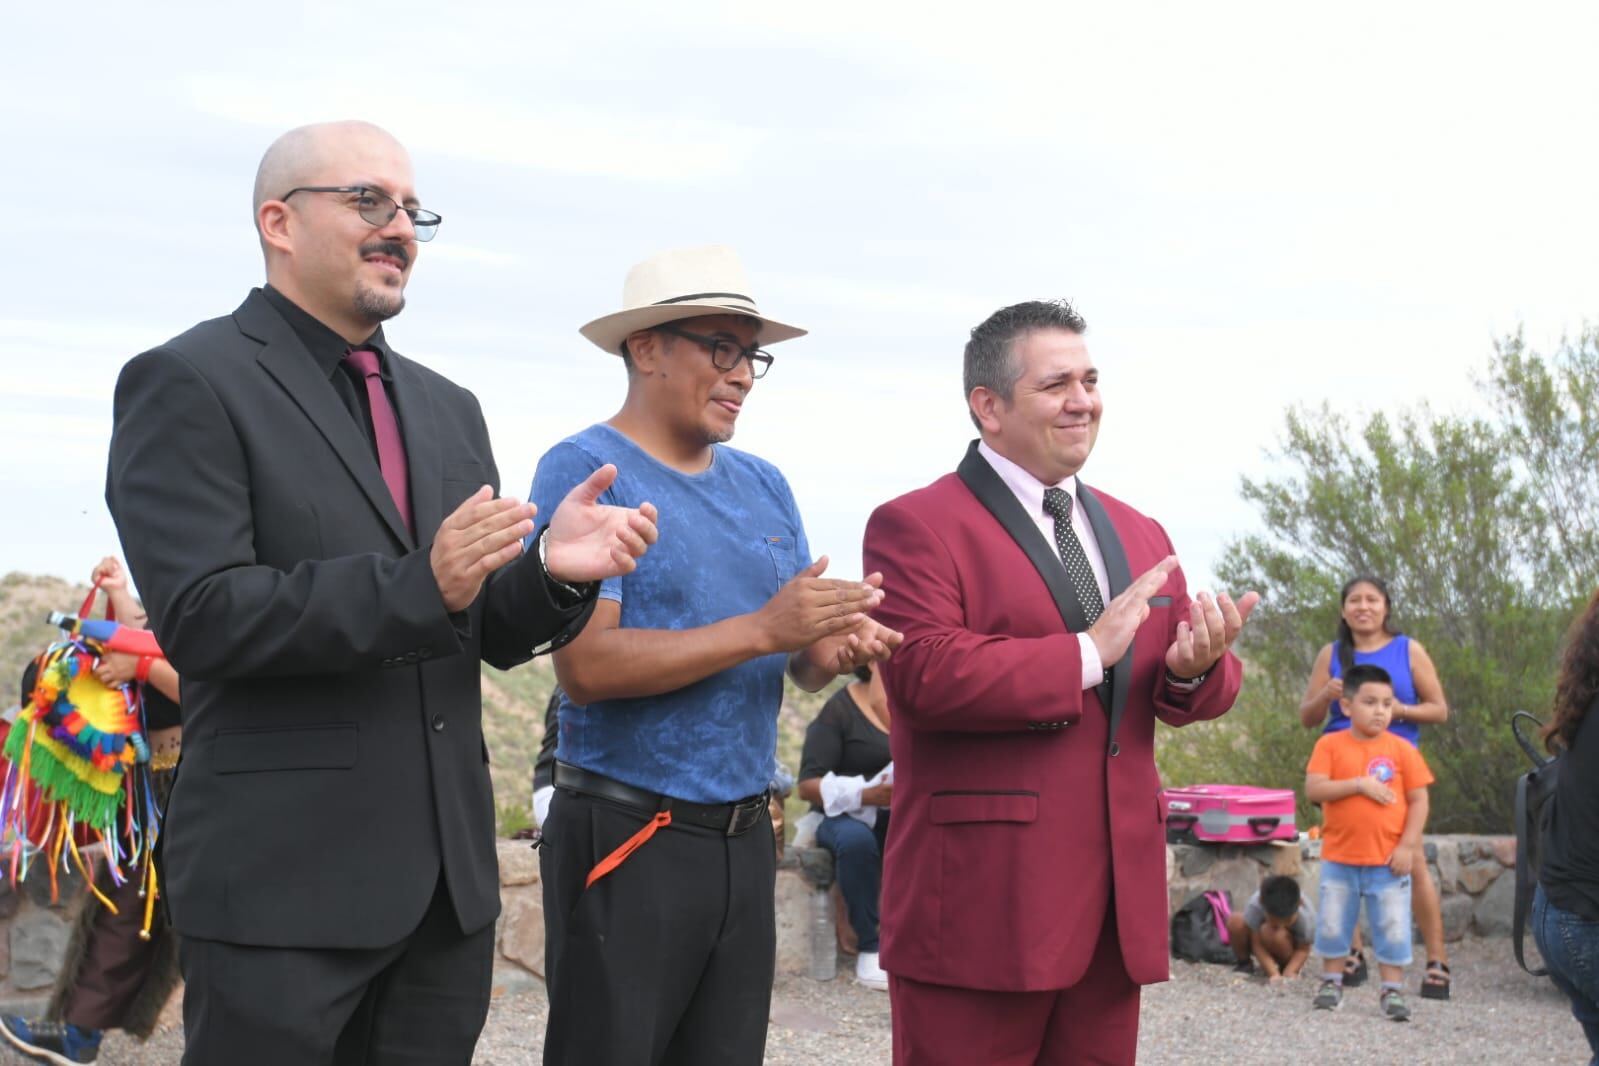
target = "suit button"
x: 1115, y: 749
x: 438, y: 723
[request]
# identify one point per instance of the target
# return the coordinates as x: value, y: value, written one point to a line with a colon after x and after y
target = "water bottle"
x: 824, y: 942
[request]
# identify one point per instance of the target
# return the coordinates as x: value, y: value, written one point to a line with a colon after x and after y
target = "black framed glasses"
x: 726, y: 352
x: 378, y: 207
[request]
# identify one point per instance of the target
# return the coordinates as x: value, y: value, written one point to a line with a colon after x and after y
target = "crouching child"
x: 1274, y: 930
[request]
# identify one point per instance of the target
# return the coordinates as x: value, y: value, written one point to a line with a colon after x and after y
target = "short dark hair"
x: 991, y: 352
x: 1365, y: 674
x: 863, y: 673
x: 1279, y: 896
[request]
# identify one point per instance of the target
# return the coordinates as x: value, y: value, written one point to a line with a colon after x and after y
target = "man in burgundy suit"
x: 1047, y: 625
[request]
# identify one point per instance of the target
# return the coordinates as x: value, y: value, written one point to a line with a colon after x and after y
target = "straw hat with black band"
x: 684, y: 283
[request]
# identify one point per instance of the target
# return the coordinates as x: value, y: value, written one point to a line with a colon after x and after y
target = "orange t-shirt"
x: 1358, y: 830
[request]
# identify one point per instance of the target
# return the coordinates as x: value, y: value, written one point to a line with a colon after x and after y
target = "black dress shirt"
x: 329, y: 350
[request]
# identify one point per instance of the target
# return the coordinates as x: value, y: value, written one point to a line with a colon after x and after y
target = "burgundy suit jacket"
x: 1024, y: 807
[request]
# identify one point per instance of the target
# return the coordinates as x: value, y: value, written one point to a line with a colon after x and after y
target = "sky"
x: 1254, y: 205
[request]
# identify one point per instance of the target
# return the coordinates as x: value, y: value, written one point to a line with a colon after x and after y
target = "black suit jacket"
x: 333, y: 747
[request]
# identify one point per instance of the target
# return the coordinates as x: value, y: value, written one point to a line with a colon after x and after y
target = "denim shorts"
x: 1387, y: 900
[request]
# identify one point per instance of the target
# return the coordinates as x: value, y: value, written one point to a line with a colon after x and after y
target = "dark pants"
x: 858, y: 868
x: 667, y: 960
x: 1094, y: 1021
x: 420, y: 1002
x: 116, y: 961
x: 1570, y: 947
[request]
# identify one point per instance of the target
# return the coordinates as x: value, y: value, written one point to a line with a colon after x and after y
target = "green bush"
x: 1486, y: 530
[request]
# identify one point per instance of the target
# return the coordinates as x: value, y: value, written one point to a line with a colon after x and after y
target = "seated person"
x: 1275, y: 929
x: 846, y: 773
x: 1372, y: 786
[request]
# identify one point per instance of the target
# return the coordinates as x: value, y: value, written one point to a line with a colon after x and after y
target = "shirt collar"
x: 1026, y: 488
x: 325, y: 346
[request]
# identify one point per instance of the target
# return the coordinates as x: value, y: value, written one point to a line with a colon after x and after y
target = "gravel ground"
x: 1204, y: 1015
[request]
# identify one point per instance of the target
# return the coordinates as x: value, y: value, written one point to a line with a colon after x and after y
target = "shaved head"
x: 299, y: 156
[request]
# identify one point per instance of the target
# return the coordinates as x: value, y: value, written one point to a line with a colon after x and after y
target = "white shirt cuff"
x: 1093, y: 666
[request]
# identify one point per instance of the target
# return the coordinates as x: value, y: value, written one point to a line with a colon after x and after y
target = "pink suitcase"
x: 1229, y: 814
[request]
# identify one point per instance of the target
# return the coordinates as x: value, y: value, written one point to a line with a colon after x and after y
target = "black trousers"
x: 421, y: 1002
x: 666, y: 961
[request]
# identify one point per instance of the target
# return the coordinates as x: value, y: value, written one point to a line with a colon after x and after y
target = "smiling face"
x: 1049, y: 425
x: 321, y: 252
x: 1365, y: 609
x: 1371, y: 708
x: 698, y: 402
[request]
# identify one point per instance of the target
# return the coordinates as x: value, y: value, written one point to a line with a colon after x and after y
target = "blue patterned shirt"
x: 731, y: 536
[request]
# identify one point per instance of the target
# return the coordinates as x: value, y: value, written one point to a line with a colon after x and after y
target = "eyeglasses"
x: 726, y: 353
x: 379, y: 208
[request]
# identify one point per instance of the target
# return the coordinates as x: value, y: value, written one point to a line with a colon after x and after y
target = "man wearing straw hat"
x: 658, y: 865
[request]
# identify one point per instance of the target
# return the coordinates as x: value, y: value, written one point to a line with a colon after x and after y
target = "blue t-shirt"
x: 1395, y: 658
x: 730, y: 538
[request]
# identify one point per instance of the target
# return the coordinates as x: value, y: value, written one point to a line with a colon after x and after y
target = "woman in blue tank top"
x: 1366, y: 635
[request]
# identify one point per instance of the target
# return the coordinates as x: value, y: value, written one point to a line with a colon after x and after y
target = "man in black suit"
x: 314, y: 522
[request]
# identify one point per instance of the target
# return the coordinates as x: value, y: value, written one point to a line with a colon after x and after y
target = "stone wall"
x: 33, y: 936
x: 1475, y: 875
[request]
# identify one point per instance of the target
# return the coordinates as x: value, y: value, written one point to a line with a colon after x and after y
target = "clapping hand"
x: 1203, y: 638
x: 810, y: 608
x: 591, y: 541
x: 1113, y: 631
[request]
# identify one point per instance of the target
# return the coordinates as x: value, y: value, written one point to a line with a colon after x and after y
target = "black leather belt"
x: 731, y: 819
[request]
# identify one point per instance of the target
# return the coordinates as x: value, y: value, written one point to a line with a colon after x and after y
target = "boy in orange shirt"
x: 1372, y: 787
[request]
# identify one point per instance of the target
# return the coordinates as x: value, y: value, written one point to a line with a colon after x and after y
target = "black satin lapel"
x: 997, y: 497
x: 286, y: 359
x: 420, y: 431
x: 1119, y: 576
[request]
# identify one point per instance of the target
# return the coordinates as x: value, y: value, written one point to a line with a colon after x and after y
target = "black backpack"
x: 1535, y: 793
x: 1198, y: 928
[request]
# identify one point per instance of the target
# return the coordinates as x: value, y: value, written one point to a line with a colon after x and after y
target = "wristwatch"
x: 556, y: 583
x: 1184, y: 684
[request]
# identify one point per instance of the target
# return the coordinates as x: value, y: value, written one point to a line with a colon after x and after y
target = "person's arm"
x: 122, y: 668
x: 1257, y: 947
x: 946, y: 676
x: 1319, y: 788
x: 1430, y: 707
x: 1409, y: 848
x: 813, y: 668
x: 178, y: 487
x: 164, y: 679
x: 608, y: 661
x: 112, y: 579
x: 1320, y: 692
x: 820, y: 754
x: 1296, y: 961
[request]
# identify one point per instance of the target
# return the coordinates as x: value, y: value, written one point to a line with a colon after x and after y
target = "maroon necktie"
x: 386, y: 428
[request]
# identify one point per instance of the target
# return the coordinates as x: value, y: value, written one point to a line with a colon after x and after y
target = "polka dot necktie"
x: 1058, y: 505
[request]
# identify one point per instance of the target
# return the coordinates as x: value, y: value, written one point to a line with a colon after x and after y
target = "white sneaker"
x: 868, y: 973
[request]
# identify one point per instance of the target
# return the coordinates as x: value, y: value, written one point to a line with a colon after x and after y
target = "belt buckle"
x: 744, y: 816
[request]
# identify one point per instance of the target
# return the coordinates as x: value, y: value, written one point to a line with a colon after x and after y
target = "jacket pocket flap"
x: 953, y: 807
x: 318, y: 747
